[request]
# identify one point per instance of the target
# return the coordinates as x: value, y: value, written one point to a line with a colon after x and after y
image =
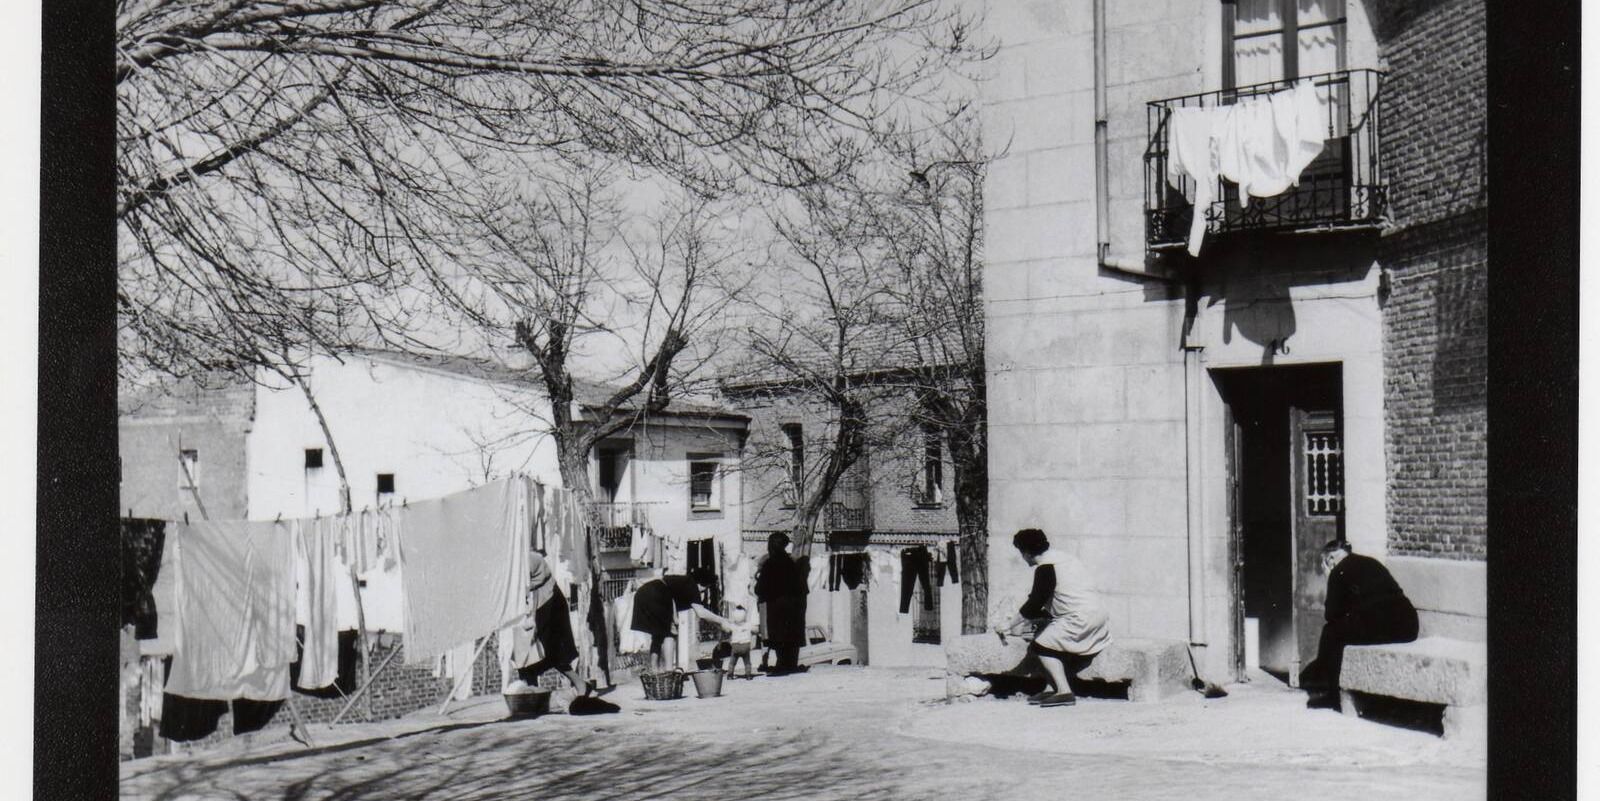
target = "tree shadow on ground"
x: 480, y: 762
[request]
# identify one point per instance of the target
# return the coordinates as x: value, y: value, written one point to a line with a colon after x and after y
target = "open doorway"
x: 1286, y: 478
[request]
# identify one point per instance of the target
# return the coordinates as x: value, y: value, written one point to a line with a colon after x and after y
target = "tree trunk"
x: 972, y: 519
x: 346, y: 506
x: 969, y: 452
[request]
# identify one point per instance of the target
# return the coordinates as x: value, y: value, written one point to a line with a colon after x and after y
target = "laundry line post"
x: 361, y: 632
x: 362, y: 690
x: 467, y: 674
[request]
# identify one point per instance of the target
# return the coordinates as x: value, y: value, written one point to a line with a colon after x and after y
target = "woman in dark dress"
x: 781, y: 587
x: 550, y: 624
x: 656, y: 605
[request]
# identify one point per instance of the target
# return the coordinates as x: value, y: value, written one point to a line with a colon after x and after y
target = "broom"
x: 1200, y: 685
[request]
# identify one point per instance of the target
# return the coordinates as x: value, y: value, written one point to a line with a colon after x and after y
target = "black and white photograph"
x: 821, y: 399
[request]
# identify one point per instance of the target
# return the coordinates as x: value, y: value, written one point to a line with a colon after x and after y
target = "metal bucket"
x: 528, y: 703
x: 707, y: 683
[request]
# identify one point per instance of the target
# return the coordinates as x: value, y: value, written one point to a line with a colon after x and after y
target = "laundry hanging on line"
x: 142, y: 544
x: 914, y: 564
x: 235, y: 610
x: 464, y: 562
x: 317, y: 600
x: 1260, y: 143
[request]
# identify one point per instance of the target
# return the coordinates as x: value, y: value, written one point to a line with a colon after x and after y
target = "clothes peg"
x: 186, y: 517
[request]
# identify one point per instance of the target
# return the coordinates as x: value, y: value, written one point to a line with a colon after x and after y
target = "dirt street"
x: 846, y: 733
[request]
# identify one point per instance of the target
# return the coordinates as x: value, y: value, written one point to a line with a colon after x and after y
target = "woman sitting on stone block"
x: 1063, y: 591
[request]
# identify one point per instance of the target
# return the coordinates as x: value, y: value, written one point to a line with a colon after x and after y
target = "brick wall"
x: 892, y: 467
x: 401, y: 690
x: 211, y: 417
x: 1436, y: 254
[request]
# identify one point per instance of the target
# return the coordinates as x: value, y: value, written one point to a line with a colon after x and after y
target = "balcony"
x: 839, y: 516
x: 1343, y: 188
x: 615, y: 518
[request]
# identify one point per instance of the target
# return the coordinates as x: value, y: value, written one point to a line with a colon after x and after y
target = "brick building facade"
x: 1436, y: 252
x: 899, y: 496
x: 205, y: 422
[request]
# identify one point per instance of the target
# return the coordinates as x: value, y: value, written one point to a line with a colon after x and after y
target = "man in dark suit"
x: 1365, y: 606
x: 781, y: 588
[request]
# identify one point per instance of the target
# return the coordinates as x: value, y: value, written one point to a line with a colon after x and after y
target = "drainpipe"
x: 1136, y: 267
x: 1192, y: 383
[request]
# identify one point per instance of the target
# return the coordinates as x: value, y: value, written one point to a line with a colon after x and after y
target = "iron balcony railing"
x: 615, y: 520
x: 1342, y: 188
x: 839, y: 516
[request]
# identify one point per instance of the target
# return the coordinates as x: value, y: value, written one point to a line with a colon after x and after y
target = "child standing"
x: 741, y: 637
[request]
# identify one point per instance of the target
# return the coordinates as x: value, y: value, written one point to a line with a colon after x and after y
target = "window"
x: 1275, y: 40
x: 190, y: 461
x: 385, y: 487
x: 700, y: 558
x: 1324, y: 473
x: 704, y: 487
x: 930, y: 482
x: 797, y: 462
x: 313, y: 458
x: 613, y: 466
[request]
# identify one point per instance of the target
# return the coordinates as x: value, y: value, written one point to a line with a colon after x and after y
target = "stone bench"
x: 1433, y: 670
x: 1153, y: 669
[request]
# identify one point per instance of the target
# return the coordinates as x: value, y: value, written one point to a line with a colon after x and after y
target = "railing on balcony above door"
x: 615, y: 520
x: 1343, y: 188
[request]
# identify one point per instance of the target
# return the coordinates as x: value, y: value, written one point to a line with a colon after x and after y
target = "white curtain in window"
x: 1257, y: 59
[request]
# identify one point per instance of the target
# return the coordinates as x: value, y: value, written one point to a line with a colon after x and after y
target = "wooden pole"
x: 361, y: 630
x: 294, y: 714
x: 466, y: 675
x: 362, y: 690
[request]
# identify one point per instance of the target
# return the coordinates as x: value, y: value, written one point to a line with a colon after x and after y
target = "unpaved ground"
x: 847, y: 733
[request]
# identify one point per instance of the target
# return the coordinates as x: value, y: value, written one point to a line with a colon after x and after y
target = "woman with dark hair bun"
x: 1064, y: 592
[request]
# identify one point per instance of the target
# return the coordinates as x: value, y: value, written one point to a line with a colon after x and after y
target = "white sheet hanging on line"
x: 464, y: 566
x: 319, y: 599
x: 235, y: 611
x: 1260, y: 143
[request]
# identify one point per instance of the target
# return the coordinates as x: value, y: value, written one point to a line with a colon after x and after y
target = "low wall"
x: 399, y: 691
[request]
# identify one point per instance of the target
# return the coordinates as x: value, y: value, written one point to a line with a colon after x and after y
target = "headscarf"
x: 541, y: 581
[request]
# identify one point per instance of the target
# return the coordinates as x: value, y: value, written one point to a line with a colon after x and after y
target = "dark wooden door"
x: 1317, y: 471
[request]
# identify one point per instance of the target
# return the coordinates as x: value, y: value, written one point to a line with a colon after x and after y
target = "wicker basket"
x: 665, y: 686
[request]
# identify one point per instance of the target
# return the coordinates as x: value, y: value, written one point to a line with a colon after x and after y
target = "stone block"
x: 1060, y: 175
x: 1433, y: 670
x: 987, y: 654
x: 1153, y: 669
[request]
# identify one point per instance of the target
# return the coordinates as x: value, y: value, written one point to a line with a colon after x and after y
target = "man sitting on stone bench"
x: 1077, y: 629
x: 1365, y: 606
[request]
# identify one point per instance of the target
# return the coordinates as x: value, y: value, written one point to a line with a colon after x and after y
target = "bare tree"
x: 816, y: 342
x: 546, y: 268
x: 891, y: 338
x: 289, y: 167
x: 934, y: 234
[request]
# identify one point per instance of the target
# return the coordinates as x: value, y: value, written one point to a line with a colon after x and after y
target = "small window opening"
x: 313, y: 458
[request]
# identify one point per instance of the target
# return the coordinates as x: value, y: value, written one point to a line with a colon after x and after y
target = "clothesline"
x: 462, y: 564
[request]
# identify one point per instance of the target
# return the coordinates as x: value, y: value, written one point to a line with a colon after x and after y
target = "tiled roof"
x: 585, y: 391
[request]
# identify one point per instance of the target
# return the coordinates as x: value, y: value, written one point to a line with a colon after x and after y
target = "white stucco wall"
x: 658, y: 477
x: 437, y: 432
